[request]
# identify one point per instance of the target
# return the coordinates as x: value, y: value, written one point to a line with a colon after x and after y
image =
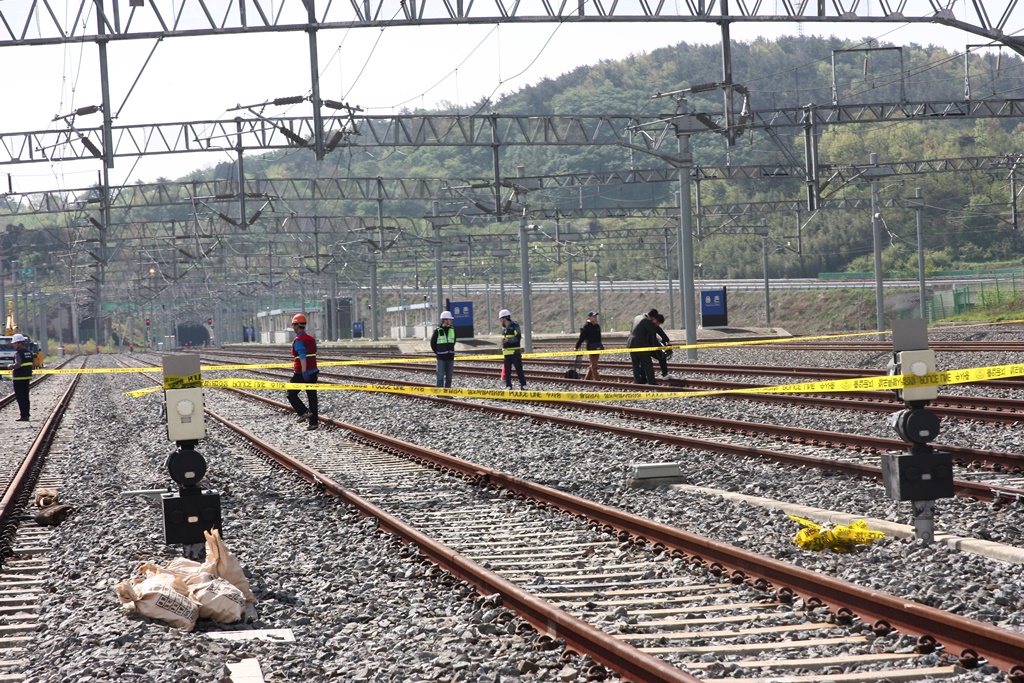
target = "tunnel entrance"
x: 193, y: 334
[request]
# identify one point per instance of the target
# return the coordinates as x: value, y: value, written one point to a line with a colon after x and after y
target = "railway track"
x: 24, y: 545
x: 856, y: 457
x: 882, y: 347
x: 982, y: 409
x: 621, y: 589
x: 790, y: 372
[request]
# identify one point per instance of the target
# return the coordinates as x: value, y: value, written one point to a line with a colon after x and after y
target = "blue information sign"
x: 357, y: 329
x: 462, y: 312
x: 714, y: 309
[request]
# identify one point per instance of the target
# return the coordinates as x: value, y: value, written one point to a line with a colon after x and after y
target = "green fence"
x: 994, y: 272
x: 951, y: 302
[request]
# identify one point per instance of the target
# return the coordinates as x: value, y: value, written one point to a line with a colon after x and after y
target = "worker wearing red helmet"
x: 304, y: 366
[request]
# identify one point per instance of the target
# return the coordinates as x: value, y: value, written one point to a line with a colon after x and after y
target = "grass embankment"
x: 799, y: 312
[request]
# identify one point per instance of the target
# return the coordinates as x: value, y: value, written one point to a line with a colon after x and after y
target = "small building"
x: 275, y: 326
x: 411, y: 321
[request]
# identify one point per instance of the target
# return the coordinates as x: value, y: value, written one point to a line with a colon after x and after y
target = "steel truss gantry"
x: 287, y: 190
x: 485, y: 130
x: 45, y: 22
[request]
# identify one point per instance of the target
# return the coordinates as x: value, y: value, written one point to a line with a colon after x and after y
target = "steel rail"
x: 812, y: 373
x: 988, y: 410
x: 11, y: 502
x: 978, y: 347
x: 969, y: 489
x: 1002, y: 648
x: 708, y: 368
x: 1013, y: 462
x: 979, y: 408
x: 545, y: 618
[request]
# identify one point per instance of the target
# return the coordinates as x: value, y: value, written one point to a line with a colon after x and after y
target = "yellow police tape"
x: 840, y: 539
x: 880, y: 382
x: 474, y: 358
x: 498, y: 356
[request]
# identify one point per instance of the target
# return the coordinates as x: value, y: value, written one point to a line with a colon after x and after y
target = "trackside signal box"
x: 191, y: 511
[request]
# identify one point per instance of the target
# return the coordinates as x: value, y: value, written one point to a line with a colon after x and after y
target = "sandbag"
x: 46, y: 497
x: 218, y: 599
x: 159, y: 594
x: 183, y: 567
x: 53, y: 515
x: 220, y: 561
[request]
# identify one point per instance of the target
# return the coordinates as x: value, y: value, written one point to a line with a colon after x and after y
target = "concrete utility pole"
x: 917, y: 203
x: 568, y: 282
x: 373, y: 298
x: 501, y: 275
x: 524, y: 274
x: 876, y: 232
x: 668, y: 276
x: 685, y: 125
x: 524, y: 266
x: 764, y: 263
x: 435, y: 209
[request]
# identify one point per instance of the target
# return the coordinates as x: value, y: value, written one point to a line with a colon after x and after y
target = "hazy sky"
x: 379, y: 70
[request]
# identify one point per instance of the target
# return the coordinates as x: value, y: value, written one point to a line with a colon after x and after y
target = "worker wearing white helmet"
x: 442, y: 343
x: 21, y: 374
x: 512, y: 349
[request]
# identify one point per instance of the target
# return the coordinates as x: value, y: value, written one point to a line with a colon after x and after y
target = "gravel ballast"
x: 362, y: 611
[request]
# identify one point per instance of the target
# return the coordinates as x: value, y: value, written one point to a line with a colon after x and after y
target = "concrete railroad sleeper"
x: 24, y: 546
x: 984, y: 491
x: 847, y: 601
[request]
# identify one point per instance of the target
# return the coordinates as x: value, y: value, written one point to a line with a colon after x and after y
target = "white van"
x: 6, y: 351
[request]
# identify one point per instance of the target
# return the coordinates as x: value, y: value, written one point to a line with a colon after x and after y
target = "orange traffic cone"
x: 503, y: 371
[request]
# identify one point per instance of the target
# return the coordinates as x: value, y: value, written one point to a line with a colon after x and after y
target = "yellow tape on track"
x: 878, y: 382
x: 498, y: 356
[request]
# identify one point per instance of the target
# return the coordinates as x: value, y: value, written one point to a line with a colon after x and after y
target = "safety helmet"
x: 504, y: 313
x: 299, y: 319
x: 18, y: 338
x: 445, y: 315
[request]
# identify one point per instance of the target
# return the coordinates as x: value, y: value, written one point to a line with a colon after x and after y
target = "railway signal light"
x: 924, y: 474
x: 191, y: 511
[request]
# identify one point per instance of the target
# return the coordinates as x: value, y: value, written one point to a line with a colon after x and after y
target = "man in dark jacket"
x: 643, y: 334
x: 590, y: 334
x: 511, y: 348
x: 663, y: 354
x: 21, y: 374
x: 442, y: 343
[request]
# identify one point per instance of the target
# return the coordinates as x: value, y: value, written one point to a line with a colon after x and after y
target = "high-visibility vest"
x: 445, y: 341
x: 511, y: 332
x: 310, y: 344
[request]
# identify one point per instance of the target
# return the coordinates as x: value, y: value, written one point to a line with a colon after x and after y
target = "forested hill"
x: 967, y: 216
